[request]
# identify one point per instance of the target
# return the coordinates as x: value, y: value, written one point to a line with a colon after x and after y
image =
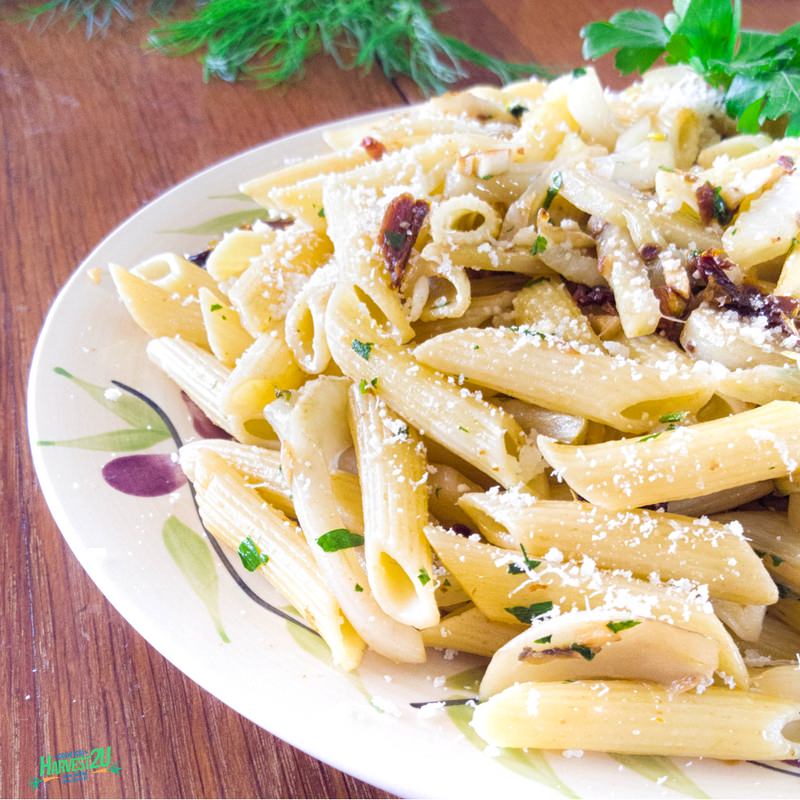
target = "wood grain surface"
x: 91, y: 130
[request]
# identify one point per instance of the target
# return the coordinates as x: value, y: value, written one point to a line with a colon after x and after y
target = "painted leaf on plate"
x: 663, y: 771
x: 127, y: 407
x: 193, y: 558
x: 224, y: 222
x: 121, y: 441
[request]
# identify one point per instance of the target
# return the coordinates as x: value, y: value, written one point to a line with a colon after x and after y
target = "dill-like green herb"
x: 271, y: 42
x: 94, y: 14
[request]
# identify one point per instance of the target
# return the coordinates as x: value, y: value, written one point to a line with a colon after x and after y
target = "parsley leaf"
x: 616, y: 627
x: 674, y: 416
x: 539, y: 246
x: 362, y: 348
x: 252, y: 557
x: 526, y: 614
x: 214, y: 307
x: 364, y: 385
x: 529, y: 563
x: 556, y: 182
x: 584, y: 651
x: 423, y: 576
x: 639, y: 37
x: 339, y: 539
x: 758, y: 72
x: 544, y: 639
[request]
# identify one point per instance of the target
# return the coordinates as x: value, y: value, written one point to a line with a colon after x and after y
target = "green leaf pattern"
x: 192, y: 556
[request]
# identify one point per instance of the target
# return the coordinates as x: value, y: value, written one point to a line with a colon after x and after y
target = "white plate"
x: 270, y: 671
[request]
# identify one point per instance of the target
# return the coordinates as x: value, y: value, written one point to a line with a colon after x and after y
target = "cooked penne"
x: 157, y: 311
x: 638, y: 541
x: 469, y: 631
x: 601, y: 644
x: 756, y: 445
x: 633, y: 396
x: 639, y: 718
x: 391, y: 463
x: 313, y: 432
x: 224, y: 332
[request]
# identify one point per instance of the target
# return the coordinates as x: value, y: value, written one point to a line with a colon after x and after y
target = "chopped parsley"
x: 517, y: 110
x: 462, y: 428
x: 395, y: 239
x: 215, y: 307
x: 321, y: 213
x: 476, y: 347
x: 651, y: 436
x: 583, y: 651
x: 284, y: 393
x: 722, y: 213
x: 362, y: 348
x: 423, y: 576
x: 544, y: 639
x: 675, y: 416
x: 578, y: 72
x: 616, y: 627
x: 364, y: 385
x: 776, y: 560
x: 252, y: 557
x: 526, y: 614
x: 529, y: 563
x: 539, y: 246
x: 556, y: 182
x: 486, y: 177
x: 358, y: 587
x: 339, y: 539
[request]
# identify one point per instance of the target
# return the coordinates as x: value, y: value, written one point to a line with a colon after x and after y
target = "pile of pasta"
x: 515, y: 373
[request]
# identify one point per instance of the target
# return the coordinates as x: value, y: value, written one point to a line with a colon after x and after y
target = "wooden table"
x: 91, y: 131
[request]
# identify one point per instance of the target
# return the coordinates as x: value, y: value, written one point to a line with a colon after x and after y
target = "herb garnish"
x: 339, y: 539
x: 556, y: 182
x: 321, y: 213
x: 539, y: 246
x: 362, y: 348
x: 651, y: 436
x: 584, y: 651
x: 423, y: 576
x: 529, y: 563
x: 722, y: 213
x: 358, y: 587
x: 544, y: 639
x: 214, y: 307
x: 395, y: 239
x: 616, y: 627
x: 674, y: 416
x: 517, y: 111
x: 759, y: 72
x: 364, y: 385
x: 284, y: 393
x: 526, y: 614
x: 252, y: 557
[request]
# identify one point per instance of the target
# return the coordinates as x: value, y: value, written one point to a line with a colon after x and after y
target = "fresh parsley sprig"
x: 758, y: 72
